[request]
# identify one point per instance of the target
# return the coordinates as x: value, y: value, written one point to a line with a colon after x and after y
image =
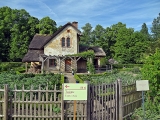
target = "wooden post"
x: 88, y: 101
x: 59, y: 64
x: 5, y: 107
x: 75, y: 109
x: 42, y: 66
x: 62, y: 104
x: 26, y: 67
x: 116, y: 99
x: 120, y: 107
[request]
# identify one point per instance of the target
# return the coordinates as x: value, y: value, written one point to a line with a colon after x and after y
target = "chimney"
x: 75, y: 24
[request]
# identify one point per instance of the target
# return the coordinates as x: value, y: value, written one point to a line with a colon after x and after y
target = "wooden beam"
x: 42, y: 66
x: 78, y: 59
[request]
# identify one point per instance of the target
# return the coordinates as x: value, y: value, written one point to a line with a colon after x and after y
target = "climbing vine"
x: 89, y: 55
x: 85, y: 54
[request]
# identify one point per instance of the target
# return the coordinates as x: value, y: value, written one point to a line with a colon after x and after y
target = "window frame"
x: 68, y: 43
x: 63, y: 42
x: 52, y: 63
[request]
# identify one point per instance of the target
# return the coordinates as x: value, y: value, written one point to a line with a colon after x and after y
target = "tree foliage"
x: 151, y: 72
x: 47, y: 26
x: 155, y: 29
x: 17, y: 30
x: 86, y: 38
x: 21, y: 34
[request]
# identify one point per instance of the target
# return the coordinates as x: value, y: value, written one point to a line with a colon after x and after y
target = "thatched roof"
x: 40, y: 40
x: 97, y: 50
x: 32, y: 56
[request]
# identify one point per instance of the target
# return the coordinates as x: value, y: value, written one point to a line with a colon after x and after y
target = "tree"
x: 22, y: 33
x: 5, y: 26
x: 98, y: 36
x: 155, y: 29
x: 111, y: 38
x: 122, y: 45
x: 47, y: 26
x: 129, y: 46
x: 86, y: 37
x: 144, y: 29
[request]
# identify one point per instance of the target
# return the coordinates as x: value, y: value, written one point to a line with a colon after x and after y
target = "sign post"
x: 75, y: 107
x: 142, y: 85
x: 73, y: 91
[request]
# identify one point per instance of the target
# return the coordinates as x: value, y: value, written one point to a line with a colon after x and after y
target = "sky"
x: 133, y: 13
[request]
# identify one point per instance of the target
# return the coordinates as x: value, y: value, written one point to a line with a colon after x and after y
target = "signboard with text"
x: 73, y: 91
x: 142, y: 85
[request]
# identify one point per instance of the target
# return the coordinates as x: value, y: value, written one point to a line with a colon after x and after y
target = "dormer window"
x: 63, y: 42
x: 68, y: 42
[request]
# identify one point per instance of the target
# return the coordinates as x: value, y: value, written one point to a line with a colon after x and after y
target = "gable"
x: 40, y: 40
x: 58, y: 44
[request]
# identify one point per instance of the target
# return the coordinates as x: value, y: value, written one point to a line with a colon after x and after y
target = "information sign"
x: 73, y: 91
x: 142, y: 85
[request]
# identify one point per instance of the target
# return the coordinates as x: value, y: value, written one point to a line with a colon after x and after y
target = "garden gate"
x: 103, y: 101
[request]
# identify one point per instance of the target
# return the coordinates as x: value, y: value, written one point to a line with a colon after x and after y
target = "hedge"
x: 16, y: 66
x: 120, y: 66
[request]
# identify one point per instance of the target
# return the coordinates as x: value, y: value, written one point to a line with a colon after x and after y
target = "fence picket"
x: 46, y: 101
x: 18, y: 107
x: 39, y: 99
x: 35, y: 98
x: 26, y: 107
x: 15, y: 95
x: 50, y: 107
x: 23, y: 102
x: 31, y: 99
x: 43, y: 107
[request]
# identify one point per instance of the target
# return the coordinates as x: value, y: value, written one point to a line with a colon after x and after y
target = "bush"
x: 7, y: 66
x: 150, y: 113
x: 120, y: 66
x: 78, y: 78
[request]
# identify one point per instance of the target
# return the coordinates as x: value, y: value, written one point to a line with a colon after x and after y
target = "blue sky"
x: 104, y: 12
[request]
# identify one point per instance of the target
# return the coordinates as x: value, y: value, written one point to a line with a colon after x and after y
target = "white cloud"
x: 103, y: 12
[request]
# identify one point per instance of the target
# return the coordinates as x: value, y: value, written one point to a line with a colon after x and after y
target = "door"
x: 68, y: 65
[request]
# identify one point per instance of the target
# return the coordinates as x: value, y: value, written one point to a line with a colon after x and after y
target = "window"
x: 68, y: 42
x: 52, y: 62
x: 63, y: 42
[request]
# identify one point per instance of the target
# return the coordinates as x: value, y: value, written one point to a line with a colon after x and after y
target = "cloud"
x: 104, y: 12
x: 46, y: 6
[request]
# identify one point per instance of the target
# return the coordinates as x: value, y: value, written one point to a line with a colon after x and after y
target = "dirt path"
x: 69, y: 78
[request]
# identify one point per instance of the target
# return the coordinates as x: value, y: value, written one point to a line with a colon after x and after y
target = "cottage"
x: 50, y: 52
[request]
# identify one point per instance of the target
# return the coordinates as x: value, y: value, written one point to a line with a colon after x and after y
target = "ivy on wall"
x: 89, y: 55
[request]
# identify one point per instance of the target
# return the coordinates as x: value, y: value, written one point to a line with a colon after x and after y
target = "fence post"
x: 62, y: 104
x: 5, y: 107
x: 88, y: 101
x: 117, y: 100
x: 120, y: 107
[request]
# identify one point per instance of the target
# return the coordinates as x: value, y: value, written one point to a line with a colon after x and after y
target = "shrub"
x: 78, y: 78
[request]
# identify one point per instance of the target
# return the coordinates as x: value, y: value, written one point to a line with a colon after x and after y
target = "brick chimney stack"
x: 75, y: 24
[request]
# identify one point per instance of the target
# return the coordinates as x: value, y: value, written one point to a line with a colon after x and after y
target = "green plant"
x: 78, y: 78
x: 90, y: 67
x: 150, y: 113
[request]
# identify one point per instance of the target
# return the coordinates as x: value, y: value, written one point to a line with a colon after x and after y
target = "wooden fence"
x: 105, y: 102
x: 131, y: 99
